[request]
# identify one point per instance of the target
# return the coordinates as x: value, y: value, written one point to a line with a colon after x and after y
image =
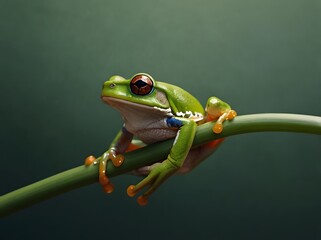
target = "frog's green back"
x: 179, y: 99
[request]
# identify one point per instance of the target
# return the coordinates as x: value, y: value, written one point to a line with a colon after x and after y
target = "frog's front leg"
x: 160, y: 172
x: 220, y: 111
x: 115, y: 154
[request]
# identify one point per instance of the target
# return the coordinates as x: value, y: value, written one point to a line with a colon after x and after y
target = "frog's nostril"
x: 112, y: 85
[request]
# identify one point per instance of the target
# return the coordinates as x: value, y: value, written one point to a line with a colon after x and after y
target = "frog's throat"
x: 122, y: 104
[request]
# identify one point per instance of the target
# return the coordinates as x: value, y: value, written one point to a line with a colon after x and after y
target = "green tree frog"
x: 154, y: 111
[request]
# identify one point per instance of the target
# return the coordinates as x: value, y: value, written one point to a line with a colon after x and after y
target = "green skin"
x: 165, y: 101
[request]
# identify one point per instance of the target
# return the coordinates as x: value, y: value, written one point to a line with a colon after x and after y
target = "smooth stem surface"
x: 81, y: 176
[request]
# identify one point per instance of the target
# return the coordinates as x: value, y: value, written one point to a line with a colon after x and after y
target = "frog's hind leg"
x: 198, y: 154
x: 193, y: 159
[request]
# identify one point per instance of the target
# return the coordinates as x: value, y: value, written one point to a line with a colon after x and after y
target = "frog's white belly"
x: 145, y: 122
x: 151, y: 131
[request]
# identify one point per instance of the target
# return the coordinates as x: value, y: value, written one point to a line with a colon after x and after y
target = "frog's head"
x: 140, y: 89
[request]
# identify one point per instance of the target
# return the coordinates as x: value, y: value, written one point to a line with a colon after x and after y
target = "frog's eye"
x: 141, y: 85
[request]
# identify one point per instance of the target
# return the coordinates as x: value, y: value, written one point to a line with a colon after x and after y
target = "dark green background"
x: 258, y: 55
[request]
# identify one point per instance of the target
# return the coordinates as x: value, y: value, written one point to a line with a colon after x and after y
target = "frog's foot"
x: 104, y: 181
x: 117, y: 161
x: 155, y: 178
x: 228, y: 115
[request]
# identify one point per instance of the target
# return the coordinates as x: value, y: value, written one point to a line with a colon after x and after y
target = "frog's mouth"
x: 127, y: 106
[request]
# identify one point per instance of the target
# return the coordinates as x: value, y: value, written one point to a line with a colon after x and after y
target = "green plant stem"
x: 81, y: 176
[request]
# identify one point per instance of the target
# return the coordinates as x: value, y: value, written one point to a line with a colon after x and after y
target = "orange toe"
x: 109, y: 188
x: 142, y: 200
x: 117, y: 160
x: 217, y: 128
x: 89, y: 160
x: 231, y: 115
x: 131, y: 191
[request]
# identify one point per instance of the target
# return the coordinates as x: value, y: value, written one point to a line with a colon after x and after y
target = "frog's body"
x: 149, y: 123
x: 154, y: 111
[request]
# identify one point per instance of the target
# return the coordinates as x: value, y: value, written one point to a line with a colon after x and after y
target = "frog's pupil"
x: 140, y: 83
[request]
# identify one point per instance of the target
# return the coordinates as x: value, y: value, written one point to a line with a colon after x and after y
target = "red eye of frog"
x: 141, y: 85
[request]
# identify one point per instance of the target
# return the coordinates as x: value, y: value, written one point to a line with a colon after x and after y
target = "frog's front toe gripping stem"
x: 117, y: 161
x: 218, y: 126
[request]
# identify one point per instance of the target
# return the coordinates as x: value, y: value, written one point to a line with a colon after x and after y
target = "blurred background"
x: 259, y: 56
